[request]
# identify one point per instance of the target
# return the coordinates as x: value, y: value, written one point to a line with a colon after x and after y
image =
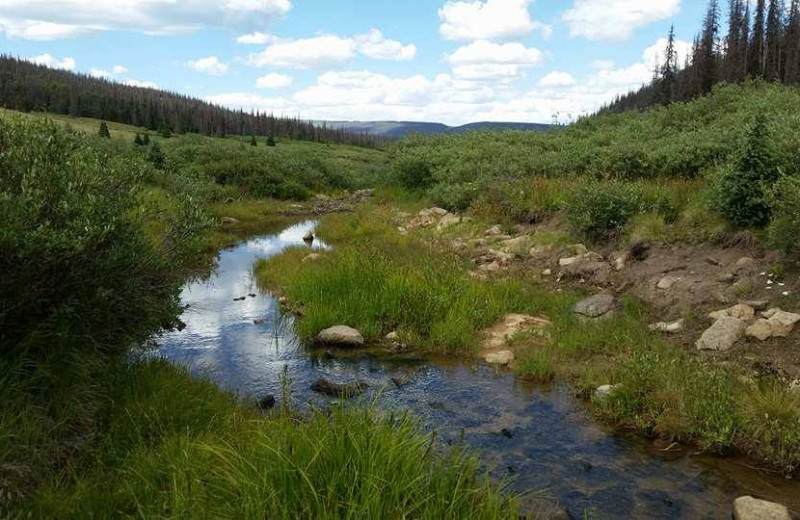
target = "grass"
x: 378, y: 281
x: 165, y: 445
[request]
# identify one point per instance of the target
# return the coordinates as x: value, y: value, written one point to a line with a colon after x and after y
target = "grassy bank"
x: 156, y: 443
x: 378, y: 280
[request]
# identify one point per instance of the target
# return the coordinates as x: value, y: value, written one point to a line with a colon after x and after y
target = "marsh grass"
x: 165, y: 445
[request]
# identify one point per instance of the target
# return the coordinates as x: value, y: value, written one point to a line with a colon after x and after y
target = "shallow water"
x: 540, y: 437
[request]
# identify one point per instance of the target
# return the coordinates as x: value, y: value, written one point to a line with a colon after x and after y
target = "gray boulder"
x: 723, y: 335
x: 600, y: 306
x: 749, y: 508
x: 341, y: 336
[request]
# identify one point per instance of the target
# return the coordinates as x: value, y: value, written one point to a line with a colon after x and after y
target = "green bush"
x: 413, y: 173
x: 601, y: 209
x: 784, y: 230
x: 455, y: 197
x: 78, y: 269
x: 741, y: 189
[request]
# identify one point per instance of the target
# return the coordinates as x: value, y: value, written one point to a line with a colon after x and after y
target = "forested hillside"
x: 29, y: 87
x: 762, y: 42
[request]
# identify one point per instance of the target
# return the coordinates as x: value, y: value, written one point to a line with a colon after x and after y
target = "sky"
x: 448, y: 61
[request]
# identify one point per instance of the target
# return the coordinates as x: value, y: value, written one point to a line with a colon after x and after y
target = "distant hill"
x: 403, y: 128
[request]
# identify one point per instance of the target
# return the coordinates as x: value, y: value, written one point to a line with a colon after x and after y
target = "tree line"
x: 28, y: 87
x: 762, y: 42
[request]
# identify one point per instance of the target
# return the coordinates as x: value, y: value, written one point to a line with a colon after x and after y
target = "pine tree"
x: 156, y: 156
x: 270, y: 141
x: 103, y: 132
x: 138, y: 140
x: 669, y: 71
x: 706, y: 61
x: 253, y: 141
x: 146, y: 139
x: 164, y: 130
x: 773, y: 42
x: 733, y: 42
x: 792, y: 63
x: 755, y: 59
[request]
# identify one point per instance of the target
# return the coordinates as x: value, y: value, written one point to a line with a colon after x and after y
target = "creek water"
x: 539, y: 437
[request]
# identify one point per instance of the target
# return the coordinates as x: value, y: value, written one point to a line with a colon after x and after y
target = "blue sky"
x: 425, y: 60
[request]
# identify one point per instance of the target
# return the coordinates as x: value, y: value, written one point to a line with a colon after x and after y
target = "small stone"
x: 668, y: 328
x: 448, y: 220
x: 783, y: 323
x: 325, y: 387
x: 760, y: 330
x: 491, y: 267
x: 547, y: 272
x: 308, y: 237
x: 584, y: 257
x: 494, y: 231
x: 723, y: 335
x: 538, y: 251
x: 578, y: 249
x: 312, y: 257
x: 433, y: 212
x: 266, y: 403
x: 392, y: 336
x: 341, y: 336
x: 600, y: 306
x: 758, y: 305
x: 401, y: 380
x: 726, y: 278
x: 508, y: 434
x: 749, y: 508
x: 229, y: 221
x: 502, y: 357
x: 713, y: 261
x: 259, y: 322
x: 741, y: 312
x: 667, y: 282
x: 794, y: 388
x: 620, y: 261
x: 604, y: 391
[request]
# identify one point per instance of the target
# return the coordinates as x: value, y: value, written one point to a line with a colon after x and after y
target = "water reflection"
x: 538, y: 436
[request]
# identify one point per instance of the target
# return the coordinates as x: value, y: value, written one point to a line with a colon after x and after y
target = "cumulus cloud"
x: 557, y: 79
x: 257, y: 38
x: 116, y: 70
x: 331, y: 50
x: 484, y: 60
x: 48, y: 60
x: 274, y: 81
x: 54, y: 19
x: 119, y: 69
x: 210, y: 65
x: 602, y: 64
x: 487, y: 20
x: 137, y: 83
x: 616, y: 20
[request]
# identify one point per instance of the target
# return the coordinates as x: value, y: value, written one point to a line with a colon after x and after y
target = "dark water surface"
x: 540, y: 437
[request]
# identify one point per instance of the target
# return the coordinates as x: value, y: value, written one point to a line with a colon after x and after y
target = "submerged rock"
x: 309, y: 236
x: 267, y: 402
x: 749, y: 508
x: 722, y: 335
x: 599, y: 306
x: 402, y: 379
x: 325, y: 387
x: 341, y: 336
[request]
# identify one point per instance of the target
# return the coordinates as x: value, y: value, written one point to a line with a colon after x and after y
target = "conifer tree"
x: 755, y: 59
x: 270, y: 141
x: 669, y: 71
x: 706, y: 59
x: 103, y: 131
x: 773, y: 44
x: 792, y: 63
x: 137, y: 140
x: 146, y: 139
x: 253, y: 141
x: 156, y: 156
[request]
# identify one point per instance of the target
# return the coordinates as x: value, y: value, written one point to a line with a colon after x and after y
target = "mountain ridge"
x: 399, y: 129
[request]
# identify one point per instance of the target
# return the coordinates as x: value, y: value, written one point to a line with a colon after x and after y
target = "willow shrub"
x: 78, y: 270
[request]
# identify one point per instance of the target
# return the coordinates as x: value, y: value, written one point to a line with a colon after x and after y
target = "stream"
x: 540, y: 437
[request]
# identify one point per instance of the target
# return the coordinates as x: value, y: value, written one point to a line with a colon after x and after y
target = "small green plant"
x: 253, y: 141
x: 784, y: 230
x: 742, y: 188
x: 536, y: 365
x: 157, y: 156
x: 413, y: 173
x: 271, y: 141
x: 103, y: 131
x: 138, y: 140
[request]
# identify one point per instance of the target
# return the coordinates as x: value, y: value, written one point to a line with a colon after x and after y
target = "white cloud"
x: 557, y: 79
x: 374, y: 45
x: 330, y: 50
x: 54, y: 19
x: 210, y: 65
x: 119, y: 69
x: 616, y: 20
x: 484, y: 60
x: 656, y: 53
x: 274, y: 80
x: 486, y: 20
x: 483, y: 51
x: 256, y: 38
x: 116, y: 70
x: 48, y: 60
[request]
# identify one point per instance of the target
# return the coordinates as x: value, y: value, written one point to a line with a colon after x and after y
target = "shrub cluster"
x: 78, y: 269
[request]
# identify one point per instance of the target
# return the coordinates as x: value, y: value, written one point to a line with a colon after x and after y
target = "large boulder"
x: 783, y: 323
x: 722, y: 335
x: 448, y: 220
x: 433, y: 212
x: 749, y: 508
x: 340, y: 336
x: 599, y: 306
